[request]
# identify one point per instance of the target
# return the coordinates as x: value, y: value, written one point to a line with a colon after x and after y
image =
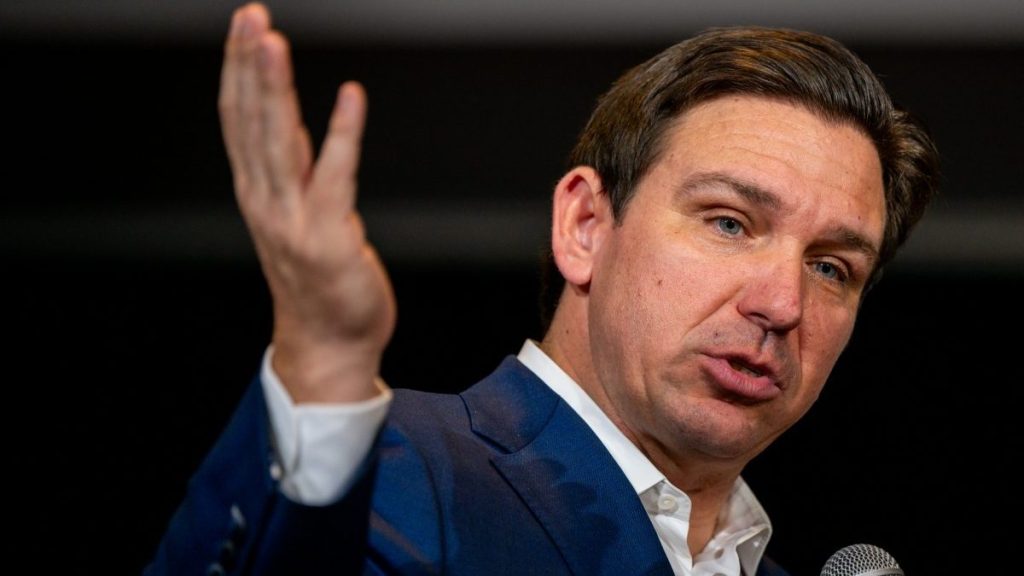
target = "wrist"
x: 327, y: 374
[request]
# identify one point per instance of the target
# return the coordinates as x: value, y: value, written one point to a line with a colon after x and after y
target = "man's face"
x: 725, y: 295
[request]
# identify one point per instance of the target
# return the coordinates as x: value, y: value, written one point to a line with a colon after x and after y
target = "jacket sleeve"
x: 235, y: 520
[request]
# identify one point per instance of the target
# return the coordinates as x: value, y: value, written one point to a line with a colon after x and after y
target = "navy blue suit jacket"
x: 504, y: 478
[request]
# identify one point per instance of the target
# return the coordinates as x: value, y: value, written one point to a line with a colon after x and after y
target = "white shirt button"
x: 667, y: 504
x: 275, y: 471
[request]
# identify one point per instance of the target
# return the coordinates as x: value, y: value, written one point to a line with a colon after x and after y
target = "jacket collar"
x: 564, y: 474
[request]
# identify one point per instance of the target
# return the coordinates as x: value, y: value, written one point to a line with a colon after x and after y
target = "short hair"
x: 625, y: 134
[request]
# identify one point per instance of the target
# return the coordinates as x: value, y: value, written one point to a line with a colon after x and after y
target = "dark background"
x: 136, y: 313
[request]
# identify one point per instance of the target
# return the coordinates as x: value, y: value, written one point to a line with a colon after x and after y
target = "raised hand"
x: 334, y: 309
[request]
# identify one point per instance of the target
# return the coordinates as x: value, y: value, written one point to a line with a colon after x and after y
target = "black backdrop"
x: 136, y: 313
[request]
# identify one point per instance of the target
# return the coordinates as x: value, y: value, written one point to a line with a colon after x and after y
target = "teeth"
x: 744, y: 369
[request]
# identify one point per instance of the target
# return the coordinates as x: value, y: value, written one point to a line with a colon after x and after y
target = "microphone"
x: 861, y: 560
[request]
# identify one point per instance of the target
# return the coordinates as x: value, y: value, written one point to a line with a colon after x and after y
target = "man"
x: 727, y: 207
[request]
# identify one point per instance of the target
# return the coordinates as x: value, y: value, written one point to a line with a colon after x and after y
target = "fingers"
x: 286, y: 145
x: 269, y: 147
x: 334, y: 176
x: 238, y: 96
x: 266, y: 142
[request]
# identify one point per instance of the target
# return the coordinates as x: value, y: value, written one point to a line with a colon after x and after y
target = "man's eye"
x: 830, y: 271
x: 730, y: 226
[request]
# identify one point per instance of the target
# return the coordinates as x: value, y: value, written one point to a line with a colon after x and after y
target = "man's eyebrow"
x: 748, y: 190
x: 840, y: 236
x: 851, y: 239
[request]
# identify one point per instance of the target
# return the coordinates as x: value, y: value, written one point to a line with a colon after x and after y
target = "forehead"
x: 756, y: 118
x: 781, y: 147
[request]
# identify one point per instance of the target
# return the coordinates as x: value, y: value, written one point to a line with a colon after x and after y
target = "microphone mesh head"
x: 861, y: 560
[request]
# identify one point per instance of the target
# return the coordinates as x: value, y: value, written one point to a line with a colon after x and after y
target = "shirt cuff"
x: 320, y: 446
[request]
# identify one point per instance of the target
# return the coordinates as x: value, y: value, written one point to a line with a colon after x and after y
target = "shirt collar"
x: 746, y: 521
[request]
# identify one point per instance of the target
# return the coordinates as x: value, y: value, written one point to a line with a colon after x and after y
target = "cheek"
x: 654, y: 297
x: 627, y: 276
x: 635, y: 307
x: 676, y: 288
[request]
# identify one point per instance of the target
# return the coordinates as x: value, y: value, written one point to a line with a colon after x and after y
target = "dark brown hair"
x: 625, y: 133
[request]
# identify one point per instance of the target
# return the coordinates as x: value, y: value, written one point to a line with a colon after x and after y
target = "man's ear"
x: 580, y: 219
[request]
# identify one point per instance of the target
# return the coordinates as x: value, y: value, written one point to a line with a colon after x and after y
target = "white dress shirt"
x: 315, y: 472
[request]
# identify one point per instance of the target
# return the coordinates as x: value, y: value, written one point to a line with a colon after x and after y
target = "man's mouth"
x: 745, y: 369
x: 742, y: 379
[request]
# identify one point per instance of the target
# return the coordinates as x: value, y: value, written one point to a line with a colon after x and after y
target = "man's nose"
x: 773, y: 296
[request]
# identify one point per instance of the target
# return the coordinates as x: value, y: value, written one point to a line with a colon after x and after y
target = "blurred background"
x: 136, y: 312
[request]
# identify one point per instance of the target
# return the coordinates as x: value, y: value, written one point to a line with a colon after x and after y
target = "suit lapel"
x: 564, y: 475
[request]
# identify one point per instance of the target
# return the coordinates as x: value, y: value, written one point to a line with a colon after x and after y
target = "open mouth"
x: 745, y: 369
